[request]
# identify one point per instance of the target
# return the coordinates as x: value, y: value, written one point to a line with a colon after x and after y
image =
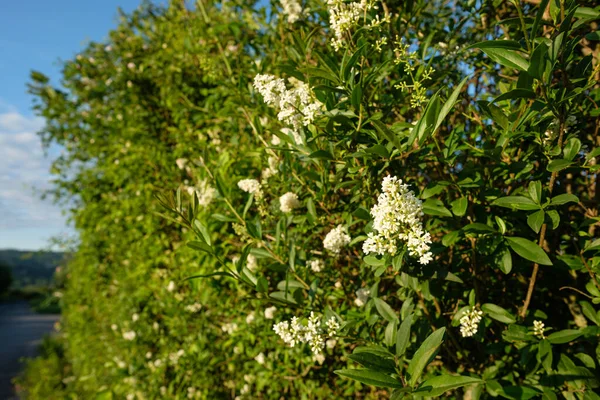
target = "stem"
x: 536, y: 266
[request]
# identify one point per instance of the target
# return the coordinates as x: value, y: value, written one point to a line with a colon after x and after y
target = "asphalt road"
x: 21, y: 331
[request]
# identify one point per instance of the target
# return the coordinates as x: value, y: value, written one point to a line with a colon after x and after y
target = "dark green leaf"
x: 516, y: 202
x: 438, y: 385
x: 423, y: 355
x: 370, y: 377
x: 528, y: 250
x: 498, y: 313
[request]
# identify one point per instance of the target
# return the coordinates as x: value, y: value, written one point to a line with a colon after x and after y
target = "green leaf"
x: 385, y: 310
x: 572, y: 148
x: 498, y: 313
x: 536, y: 220
x: 590, y: 312
x: 519, y: 392
x: 204, y: 231
x: 459, y: 206
x: 218, y: 273
x: 390, y: 333
x: 423, y: 355
x: 564, y: 199
x: 356, y: 97
x: 374, y: 362
x: 312, y: 211
x: 370, y: 377
x: 558, y: 165
x: 201, y: 246
x: 554, y: 217
x: 383, y: 130
x: 528, y: 250
x: 516, y: 202
x: 436, y: 207
x: 497, y: 44
x: 515, y: 94
x: 438, y: 385
x: 538, y: 61
x: 321, y: 155
x: 403, y: 336
x: 564, y: 336
x: 535, y: 191
x: 449, y: 104
x: 505, y: 261
x: 506, y: 57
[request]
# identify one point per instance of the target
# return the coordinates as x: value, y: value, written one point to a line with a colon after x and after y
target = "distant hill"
x: 31, y: 267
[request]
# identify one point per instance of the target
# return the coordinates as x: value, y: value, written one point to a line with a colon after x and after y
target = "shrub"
x: 378, y: 199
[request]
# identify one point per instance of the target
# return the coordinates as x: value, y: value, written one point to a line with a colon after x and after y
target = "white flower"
x: 260, y: 358
x: 288, y: 202
x: 293, y: 10
x: 251, y: 186
x: 343, y: 17
x: 130, y: 396
x: 336, y: 239
x: 397, y: 217
x: 297, y: 106
x: 316, y: 265
x: 251, y: 263
x: 319, y: 358
x: 229, y: 327
x: 332, y: 326
x: 330, y: 344
x: 294, y: 332
x: 470, y: 322
x: 272, y: 169
x: 275, y: 141
x: 204, y: 192
x: 131, y: 65
x: 181, y: 162
x: 250, y: 318
x: 193, y: 308
x: 114, y: 327
x: 171, y: 286
x: 245, y: 389
x: 362, y: 296
x: 135, y: 317
x: 130, y: 335
x: 149, y: 354
x: 270, y: 312
x: 538, y: 329
x: 174, y: 357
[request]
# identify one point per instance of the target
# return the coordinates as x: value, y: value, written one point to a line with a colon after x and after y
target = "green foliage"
x: 487, y: 110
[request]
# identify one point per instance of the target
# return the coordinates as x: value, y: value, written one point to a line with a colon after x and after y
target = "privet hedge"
x: 330, y: 200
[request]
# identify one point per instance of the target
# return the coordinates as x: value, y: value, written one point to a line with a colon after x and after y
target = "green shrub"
x: 415, y: 182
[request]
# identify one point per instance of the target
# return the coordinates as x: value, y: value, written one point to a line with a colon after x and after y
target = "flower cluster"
x: 130, y: 335
x: 288, y: 202
x: 336, y: 239
x: 251, y: 186
x: 204, y: 193
x: 297, y: 106
x: 362, y: 296
x: 316, y: 265
x: 397, y: 217
x: 470, y: 322
x: 538, y: 329
x: 292, y: 9
x: 343, y: 17
x: 294, y: 332
x: 229, y: 327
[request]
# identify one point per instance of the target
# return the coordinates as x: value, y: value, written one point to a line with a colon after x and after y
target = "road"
x: 21, y: 331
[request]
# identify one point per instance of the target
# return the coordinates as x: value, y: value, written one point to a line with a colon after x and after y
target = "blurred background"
x: 35, y: 236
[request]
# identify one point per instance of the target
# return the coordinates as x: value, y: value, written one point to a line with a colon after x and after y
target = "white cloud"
x: 24, y: 177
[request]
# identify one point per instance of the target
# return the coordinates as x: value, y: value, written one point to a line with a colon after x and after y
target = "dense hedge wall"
x: 330, y: 200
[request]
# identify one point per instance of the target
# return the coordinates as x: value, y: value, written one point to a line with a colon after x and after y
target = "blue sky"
x: 37, y: 34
